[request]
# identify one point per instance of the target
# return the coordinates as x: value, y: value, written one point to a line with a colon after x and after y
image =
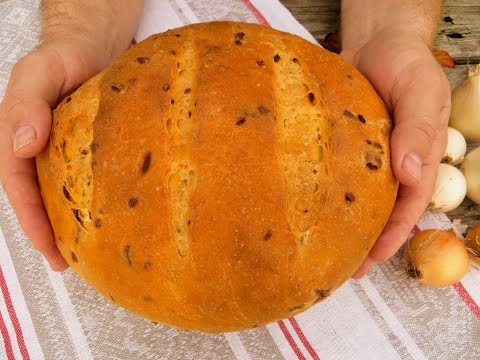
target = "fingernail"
x: 412, y: 164
x: 24, y: 135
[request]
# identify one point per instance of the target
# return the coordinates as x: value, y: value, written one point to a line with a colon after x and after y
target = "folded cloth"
x: 57, y: 316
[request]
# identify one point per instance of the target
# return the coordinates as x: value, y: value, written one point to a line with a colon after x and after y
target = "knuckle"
x: 32, y: 56
x: 9, y: 113
x: 445, y: 114
x: 40, y: 60
x: 44, y: 245
x: 426, y: 127
x: 24, y: 63
x: 4, y: 128
x: 41, y: 246
x: 426, y: 134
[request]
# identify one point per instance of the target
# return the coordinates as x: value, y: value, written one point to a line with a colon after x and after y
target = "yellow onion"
x: 465, y: 115
x: 471, y: 170
x: 472, y: 242
x: 436, y: 258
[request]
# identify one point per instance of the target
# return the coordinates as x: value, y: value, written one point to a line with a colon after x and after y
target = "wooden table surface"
x: 321, y: 17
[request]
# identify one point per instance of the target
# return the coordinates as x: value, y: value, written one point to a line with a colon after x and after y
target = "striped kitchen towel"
x: 46, y: 315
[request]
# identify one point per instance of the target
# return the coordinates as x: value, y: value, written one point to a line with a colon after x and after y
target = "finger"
x: 363, y: 269
x: 35, y: 84
x: 21, y: 186
x: 421, y: 113
x: 409, y: 207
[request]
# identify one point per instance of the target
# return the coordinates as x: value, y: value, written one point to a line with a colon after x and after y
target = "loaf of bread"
x: 219, y: 177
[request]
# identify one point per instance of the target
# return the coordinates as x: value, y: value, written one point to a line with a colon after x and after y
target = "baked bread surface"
x: 219, y: 176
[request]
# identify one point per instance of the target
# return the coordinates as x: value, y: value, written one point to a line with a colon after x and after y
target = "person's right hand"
x: 36, y: 84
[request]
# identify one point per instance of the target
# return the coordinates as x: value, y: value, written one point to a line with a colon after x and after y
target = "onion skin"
x: 450, y: 189
x: 465, y: 114
x: 472, y: 242
x: 471, y: 170
x: 436, y: 258
x: 456, y: 147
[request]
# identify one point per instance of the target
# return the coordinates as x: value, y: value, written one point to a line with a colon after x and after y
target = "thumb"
x: 35, y: 84
x: 421, y: 107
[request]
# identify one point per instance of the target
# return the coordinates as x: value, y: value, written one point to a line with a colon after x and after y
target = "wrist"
x: 104, y: 49
x: 105, y: 26
x: 362, y: 21
x: 388, y: 43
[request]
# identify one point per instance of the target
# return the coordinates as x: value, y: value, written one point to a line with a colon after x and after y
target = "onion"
x: 450, y: 189
x: 436, y: 258
x: 472, y: 242
x: 471, y: 170
x: 456, y: 147
x: 465, y: 115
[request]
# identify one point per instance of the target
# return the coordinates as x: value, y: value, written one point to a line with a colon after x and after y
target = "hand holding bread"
x: 78, y: 40
x: 390, y: 43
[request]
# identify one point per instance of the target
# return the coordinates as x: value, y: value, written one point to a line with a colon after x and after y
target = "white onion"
x: 456, y: 147
x: 450, y: 189
x: 471, y: 170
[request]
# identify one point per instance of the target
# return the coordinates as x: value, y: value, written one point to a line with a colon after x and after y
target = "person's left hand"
x: 416, y: 91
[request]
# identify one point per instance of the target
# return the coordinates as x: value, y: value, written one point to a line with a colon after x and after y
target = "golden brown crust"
x: 236, y: 175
